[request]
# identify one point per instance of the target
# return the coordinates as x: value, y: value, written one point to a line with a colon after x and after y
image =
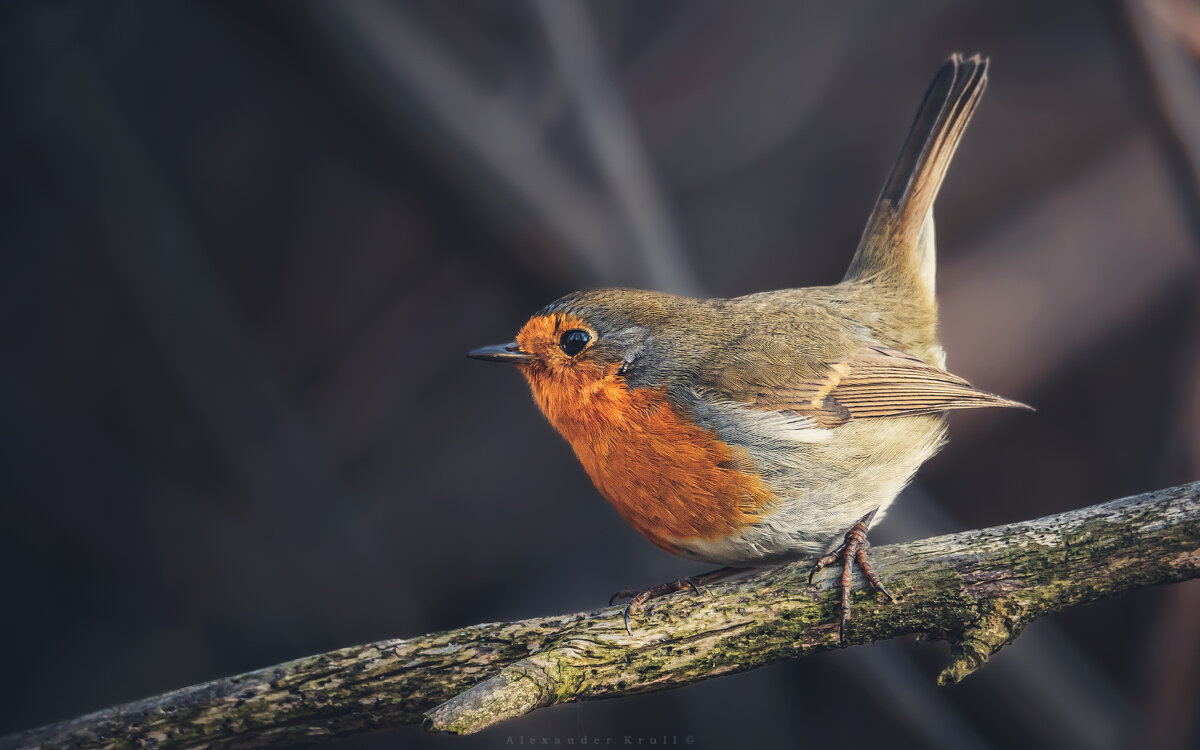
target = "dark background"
x: 246, y: 245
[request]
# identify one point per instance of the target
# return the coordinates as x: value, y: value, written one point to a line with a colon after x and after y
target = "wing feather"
x: 876, y: 382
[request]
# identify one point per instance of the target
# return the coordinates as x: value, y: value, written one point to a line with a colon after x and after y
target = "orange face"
x: 542, y: 337
x: 669, y: 478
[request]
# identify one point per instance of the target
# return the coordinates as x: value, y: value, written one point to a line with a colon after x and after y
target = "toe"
x: 622, y: 594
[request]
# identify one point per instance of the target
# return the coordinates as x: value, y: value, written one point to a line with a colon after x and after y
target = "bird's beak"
x: 510, y: 353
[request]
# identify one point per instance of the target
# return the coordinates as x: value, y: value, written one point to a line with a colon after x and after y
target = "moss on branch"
x: 975, y: 589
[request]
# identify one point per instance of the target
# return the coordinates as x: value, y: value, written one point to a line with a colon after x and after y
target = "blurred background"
x: 247, y: 244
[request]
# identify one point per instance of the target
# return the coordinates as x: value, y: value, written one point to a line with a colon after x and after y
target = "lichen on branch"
x: 975, y: 589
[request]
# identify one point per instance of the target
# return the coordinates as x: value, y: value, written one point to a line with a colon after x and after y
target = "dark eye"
x: 573, y: 341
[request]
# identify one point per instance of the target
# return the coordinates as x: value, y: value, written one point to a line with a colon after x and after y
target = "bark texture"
x: 975, y: 589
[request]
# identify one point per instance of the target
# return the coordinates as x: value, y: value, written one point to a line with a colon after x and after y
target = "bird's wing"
x: 873, y: 383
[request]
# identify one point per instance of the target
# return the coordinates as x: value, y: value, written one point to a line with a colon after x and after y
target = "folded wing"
x: 874, y: 383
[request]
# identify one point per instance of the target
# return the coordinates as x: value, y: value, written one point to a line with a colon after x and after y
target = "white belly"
x: 825, y: 488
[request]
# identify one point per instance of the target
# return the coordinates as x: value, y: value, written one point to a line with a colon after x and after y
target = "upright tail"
x: 897, y: 247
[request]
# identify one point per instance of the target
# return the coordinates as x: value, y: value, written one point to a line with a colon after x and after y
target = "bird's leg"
x: 852, y: 550
x: 638, y: 598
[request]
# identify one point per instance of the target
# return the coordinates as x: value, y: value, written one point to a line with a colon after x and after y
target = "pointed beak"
x: 510, y: 353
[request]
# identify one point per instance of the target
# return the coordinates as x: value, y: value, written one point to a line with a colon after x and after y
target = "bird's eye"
x: 573, y: 341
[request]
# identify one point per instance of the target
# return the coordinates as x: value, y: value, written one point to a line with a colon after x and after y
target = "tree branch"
x: 975, y: 589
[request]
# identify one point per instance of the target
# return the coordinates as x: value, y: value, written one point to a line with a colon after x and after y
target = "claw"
x: 826, y: 561
x: 860, y: 556
x: 638, y: 598
x: 622, y: 594
x: 849, y: 552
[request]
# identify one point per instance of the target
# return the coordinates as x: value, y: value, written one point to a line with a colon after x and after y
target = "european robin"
x: 760, y: 429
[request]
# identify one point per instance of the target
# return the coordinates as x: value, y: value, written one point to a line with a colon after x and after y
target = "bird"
x: 758, y: 430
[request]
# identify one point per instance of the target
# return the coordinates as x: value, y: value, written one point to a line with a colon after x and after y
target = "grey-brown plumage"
x: 832, y: 396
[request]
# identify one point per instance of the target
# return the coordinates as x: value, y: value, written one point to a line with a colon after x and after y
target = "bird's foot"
x: 852, y: 550
x: 639, y: 598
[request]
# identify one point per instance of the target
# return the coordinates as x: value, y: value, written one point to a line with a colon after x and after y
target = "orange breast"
x: 670, y: 479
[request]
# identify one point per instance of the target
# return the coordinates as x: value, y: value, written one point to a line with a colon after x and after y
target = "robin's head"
x: 580, y: 353
x: 585, y: 335
x: 586, y: 340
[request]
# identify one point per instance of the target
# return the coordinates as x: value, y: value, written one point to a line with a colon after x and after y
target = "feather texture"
x: 876, y: 382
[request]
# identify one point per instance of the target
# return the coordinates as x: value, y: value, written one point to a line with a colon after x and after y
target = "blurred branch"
x: 613, y: 139
x: 975, y: 589
x: 481, y: 127
x: 1166, y: 33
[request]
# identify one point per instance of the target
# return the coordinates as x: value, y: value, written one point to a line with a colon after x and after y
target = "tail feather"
x: 897, y: 245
